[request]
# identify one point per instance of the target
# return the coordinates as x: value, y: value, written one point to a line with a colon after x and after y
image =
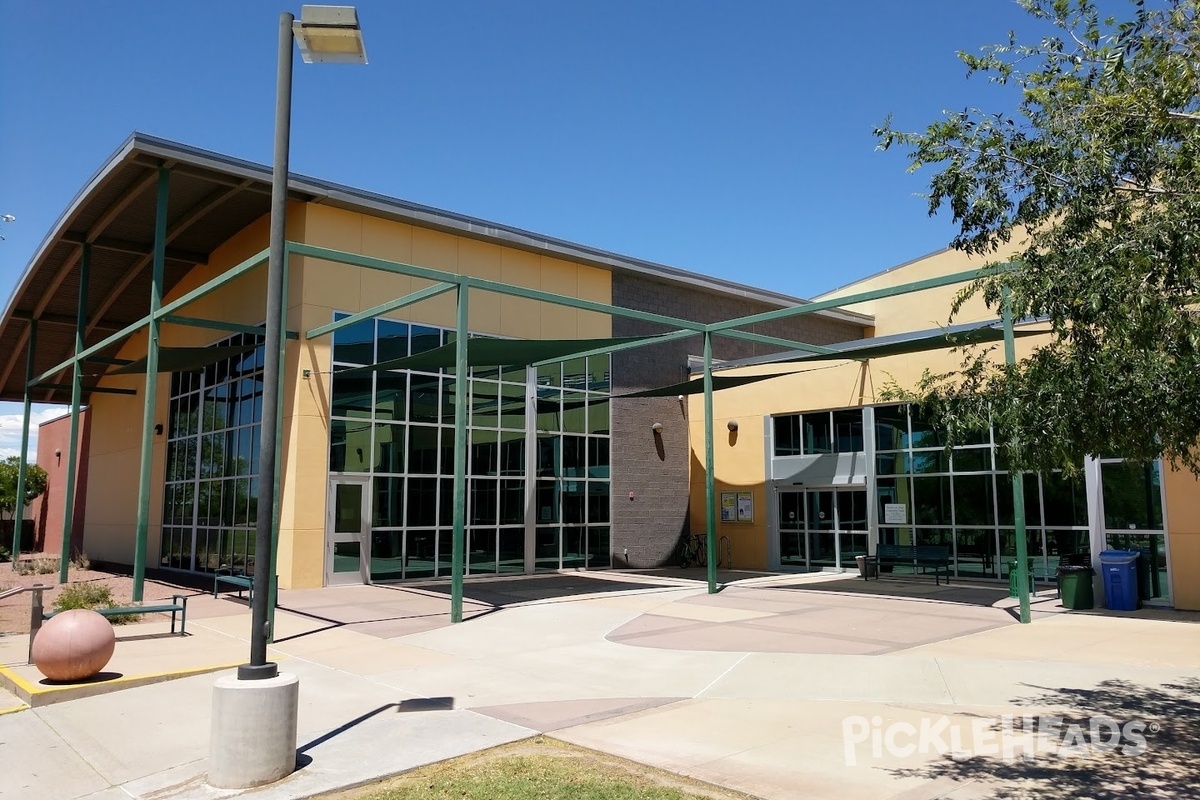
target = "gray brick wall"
x: 655, y: 469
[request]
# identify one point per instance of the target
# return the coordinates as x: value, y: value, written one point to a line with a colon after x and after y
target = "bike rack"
x: 35, y: 610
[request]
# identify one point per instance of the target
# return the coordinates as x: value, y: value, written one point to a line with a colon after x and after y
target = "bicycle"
x: 691, y: 550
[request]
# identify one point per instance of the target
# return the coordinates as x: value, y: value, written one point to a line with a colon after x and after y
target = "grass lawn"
x: 541, y: 768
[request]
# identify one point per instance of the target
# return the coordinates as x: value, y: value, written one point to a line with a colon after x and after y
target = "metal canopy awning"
x: 184, y: 359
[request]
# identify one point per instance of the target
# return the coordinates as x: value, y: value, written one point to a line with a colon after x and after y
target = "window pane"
x: 426, y: 390
x: 424, y: 338
x: 924, y: 434
x: 351, y: 395
x: 393, y: 340
x: 389, y: 503
x: 973, y: 500
x: 848, y: 431
x: 574, y: 416
x: 422, y: 449
x: 1132, y: 495
x: 598, y: 416
x: 598, y: 373
x: 512, y: 453
x: 575, y: 374
x: 977, y: 459
x: 391, y: 395
x: 511, y: 550
x: 512, y: 406
x: 1004, y: 499
x: 485, y: 449
x: 422, y: 502
x: 483, y: 497
x: 355, y: 344
x: 931, y: 498
x: 512, y: 502
x: 389, y: 448
x: 598, y: 458
x: 930, y: 461
x: 787, y: 435
x: 485, y: 403
x: 891, y: 427
x: 817, y: 435
x: 1064, y: 499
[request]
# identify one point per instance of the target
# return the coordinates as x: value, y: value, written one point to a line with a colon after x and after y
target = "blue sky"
x: 727, y: 138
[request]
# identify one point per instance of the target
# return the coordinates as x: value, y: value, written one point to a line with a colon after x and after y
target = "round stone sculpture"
x: 73, y: 645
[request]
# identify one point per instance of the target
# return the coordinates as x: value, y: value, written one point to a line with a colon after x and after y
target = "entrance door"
x: 347, y: 532
x: 821, y: 528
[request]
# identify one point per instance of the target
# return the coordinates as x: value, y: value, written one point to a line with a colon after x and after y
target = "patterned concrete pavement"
x: 780, y: 686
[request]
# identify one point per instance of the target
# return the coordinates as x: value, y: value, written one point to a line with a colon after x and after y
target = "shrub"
x: 43, y: 565
x: 81, y: 561
x: 93, y: 596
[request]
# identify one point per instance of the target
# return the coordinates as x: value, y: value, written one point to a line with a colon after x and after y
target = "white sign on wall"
x: 894, y: 514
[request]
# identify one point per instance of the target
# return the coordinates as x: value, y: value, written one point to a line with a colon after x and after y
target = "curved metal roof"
x: 212, y: 197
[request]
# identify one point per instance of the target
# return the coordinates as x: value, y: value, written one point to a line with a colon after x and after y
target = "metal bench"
x: 924, y: 556
x: 241, y: 581
x: 178, y: 606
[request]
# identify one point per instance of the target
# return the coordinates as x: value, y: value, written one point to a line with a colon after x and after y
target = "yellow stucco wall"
x: 320, y: 288
x: 111, y: 517
x: 316, y: 290
x: 739, y: 461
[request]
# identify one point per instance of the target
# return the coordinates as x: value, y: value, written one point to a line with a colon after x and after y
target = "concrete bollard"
x: 253, y: 731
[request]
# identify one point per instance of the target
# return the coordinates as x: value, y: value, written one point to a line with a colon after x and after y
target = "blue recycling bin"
x: 1119, y: 568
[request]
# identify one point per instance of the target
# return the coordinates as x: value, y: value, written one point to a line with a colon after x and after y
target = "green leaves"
x: 1091, y: 181
x: 35, y: 484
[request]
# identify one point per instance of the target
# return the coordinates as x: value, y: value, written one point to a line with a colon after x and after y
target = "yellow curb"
x: 39, y: 695
x: 13, y: 709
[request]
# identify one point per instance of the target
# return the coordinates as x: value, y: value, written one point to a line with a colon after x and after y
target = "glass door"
x: 347, y: 531
x: 822, y: 527
x: 792, y: 550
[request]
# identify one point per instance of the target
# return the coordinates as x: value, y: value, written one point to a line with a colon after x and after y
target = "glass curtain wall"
x: 572, y: 498
x: 961, y: 499
x: 398, y: 428
x: 210, y: 499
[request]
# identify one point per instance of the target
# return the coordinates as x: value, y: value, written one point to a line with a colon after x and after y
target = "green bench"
x: 241, y: 581
x: 177, y: 606
x: 923, y: 556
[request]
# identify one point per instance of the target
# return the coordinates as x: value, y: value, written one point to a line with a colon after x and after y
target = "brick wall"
x: 654, y: 468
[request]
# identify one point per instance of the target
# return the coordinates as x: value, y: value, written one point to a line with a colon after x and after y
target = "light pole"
x: 325, y: 34
x: 254, y: 717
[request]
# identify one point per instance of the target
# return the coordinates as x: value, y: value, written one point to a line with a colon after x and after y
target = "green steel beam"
x: 219, y: 325
x: 23, y: 464
x: 88, y: 389
x: 777, y: 342
x: 861, y: 297
x: 64, y: 563
x: 109, y: 362
x: 599, y: 351
x: 399, y: 268
x: 382, y: 308
x: 200, y: 291
x: 149, y: 408
x: 460, y: 455
x: 710, y: 498
x: 583, y: 305
x: 1018, y: 483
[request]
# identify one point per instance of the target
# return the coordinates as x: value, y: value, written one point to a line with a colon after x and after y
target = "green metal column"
x: 151, y: 398
x: 710, y: 507
x: 460, y: 456
x: 1018, y: 482
x: 64, y: 562
x: 23, y: 465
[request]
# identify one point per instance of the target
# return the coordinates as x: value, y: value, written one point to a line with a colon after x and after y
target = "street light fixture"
x: 254, y: 716
x: 325, y: 34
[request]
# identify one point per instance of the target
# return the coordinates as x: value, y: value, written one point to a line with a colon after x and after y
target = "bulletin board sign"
x: 745, y: 507
x: 728, y: 506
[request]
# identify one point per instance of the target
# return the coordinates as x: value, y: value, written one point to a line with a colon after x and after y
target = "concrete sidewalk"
x: 751, y: 688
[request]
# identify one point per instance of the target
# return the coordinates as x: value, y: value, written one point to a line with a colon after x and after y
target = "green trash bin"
x: 1014, y: 585
x: 1075, y: 587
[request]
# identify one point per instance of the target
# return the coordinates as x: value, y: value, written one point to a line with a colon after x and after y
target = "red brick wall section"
x: 49, y: 510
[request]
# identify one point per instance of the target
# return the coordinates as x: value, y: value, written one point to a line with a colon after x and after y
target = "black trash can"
x: 1075, y: 587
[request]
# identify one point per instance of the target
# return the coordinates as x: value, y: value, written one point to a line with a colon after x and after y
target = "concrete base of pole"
x: 253, y: 731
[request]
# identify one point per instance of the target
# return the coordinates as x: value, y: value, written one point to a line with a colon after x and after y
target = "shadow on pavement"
x: 1120, y: 740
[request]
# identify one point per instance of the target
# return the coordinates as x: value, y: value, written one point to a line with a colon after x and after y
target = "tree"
x: 1091, y: 183
x: 35, y: 485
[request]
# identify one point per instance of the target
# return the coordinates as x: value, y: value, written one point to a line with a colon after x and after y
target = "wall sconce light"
x: 732, y: 425
x: 358, y: 450
x: 657, y: 428
x: 158, y: 429
x: 58, y: 457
